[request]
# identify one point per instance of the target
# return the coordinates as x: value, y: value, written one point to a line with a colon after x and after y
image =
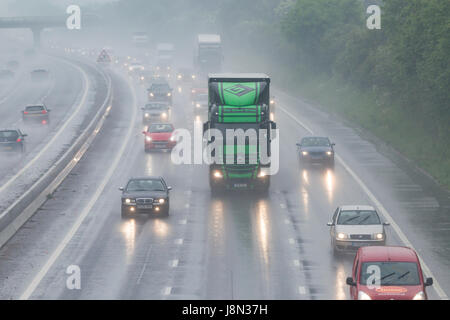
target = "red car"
x: 387, y: 273
x: 159, y: 136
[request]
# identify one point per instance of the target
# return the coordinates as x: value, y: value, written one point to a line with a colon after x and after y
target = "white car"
x: 356, y: 226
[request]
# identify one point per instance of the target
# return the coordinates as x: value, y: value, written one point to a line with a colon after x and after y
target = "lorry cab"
x: 387, y: 273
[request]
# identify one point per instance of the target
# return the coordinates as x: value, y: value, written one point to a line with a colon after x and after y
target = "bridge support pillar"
x: 36, y: 37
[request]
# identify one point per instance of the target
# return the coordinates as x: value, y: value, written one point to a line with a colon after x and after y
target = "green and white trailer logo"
x: 239, y: 89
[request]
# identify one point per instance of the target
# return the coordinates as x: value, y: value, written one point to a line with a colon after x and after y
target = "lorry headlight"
x: 363, y: 296
x: 341, y: 236
x: 379, y: 236
x: 217, y: 174
x: 419, y: 296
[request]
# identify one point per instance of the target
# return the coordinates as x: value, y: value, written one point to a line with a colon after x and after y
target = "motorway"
x: 233, y: 246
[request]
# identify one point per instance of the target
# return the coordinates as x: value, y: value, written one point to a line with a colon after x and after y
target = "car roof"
x: 357, y: 207
x: 387, y: 253
x: 146, y: 178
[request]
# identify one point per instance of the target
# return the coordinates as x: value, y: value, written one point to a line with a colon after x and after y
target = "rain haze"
x: 224, y: 150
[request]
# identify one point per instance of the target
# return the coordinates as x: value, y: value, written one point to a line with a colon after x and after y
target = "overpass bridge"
x: 38, y: 23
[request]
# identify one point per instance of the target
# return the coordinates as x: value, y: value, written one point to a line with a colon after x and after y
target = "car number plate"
x: 145, y: 206
x: 240, y: 185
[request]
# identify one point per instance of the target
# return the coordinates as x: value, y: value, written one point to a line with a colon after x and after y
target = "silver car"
x: 356, y: 226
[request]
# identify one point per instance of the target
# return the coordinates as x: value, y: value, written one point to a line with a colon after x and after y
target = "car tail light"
x: 44, y: 111
x: 25, y: 112
x: 18, y: 139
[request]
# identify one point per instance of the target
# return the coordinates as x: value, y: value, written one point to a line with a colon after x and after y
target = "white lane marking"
x: 174, y: 263
x: 147, y: 256
x: 383, y: 210
x: 182, y: 221
x: 186, y: 205
x: 302, y: 290
x: 38, y: 278
x: 283, y: 206
x: 178, y: 241
x: 57, y: 134
x: 286, y: 221
x: 296, y: 263
x: 292, y: 241
x: 167, y: 291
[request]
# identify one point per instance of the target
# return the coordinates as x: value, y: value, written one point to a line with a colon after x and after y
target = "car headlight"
x: 169, y: 94
x: 164, y: 115
x: 341, y: 236
x: 151, y: 94
x: 193, y: 76
x: 419, y: 296
x: 193, y: 90
x: 129, y: 201
x: 147, y: 115
x: 217, y: 174
x: 272, y: 101
x: 179, y: 77
x: 130, y: 68
x: 329, y: 153
x: 363, y: 296
x: 305, y: 153
x: 172, y: 138
x: 142, y: 78
x: 147, y: 138
x: 198, y: 105
x: 161, y: 200
x: 168, y: 68
x: 379, y: 236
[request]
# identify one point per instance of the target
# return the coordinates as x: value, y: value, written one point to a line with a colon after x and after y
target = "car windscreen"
x: 34, y: 108
x: 160, y: 88
x: 315, y: 142
x: 360, y: 217
x: 145, y: 185
x: 9, y: 134
x: 157, y: 128
x: 390, y: 273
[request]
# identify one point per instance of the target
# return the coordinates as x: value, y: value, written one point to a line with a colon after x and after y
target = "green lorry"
x: 240, y: 101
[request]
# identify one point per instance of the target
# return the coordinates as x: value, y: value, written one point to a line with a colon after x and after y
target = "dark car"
x: 6, y: 74
x: 156, y: 112
x: 316, y: 150
x: 12, y: 141
x: 36, y: 113
x: 148, y: 195
x: 39, y: 75
x: 160, y: 91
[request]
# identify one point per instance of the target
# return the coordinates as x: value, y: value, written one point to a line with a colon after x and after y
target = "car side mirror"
x: 428, y: 282
x: 169, y: 188
x: 121, y: 188
x: 386, y: 223
x: 24, y: 135
x: 298, y: 144
x: 333, y: 144
x: 330, y: 224
x: 349, y: 281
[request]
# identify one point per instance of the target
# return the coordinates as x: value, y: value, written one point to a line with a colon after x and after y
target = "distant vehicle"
x: 145, y: 195
x: 140, y: 39
x: 147, y: 76
x: 199, y: 98
x: 12, y: 141
x: 355, y: 226
x: 159, y: 136
x: 160, y: 91
x: 40, y: 75
x: 273, y: 106
x: 36, y: 113
x: 6, y: 74
x: 164, y: 56
x: 208, y: 56
x: 13, y: 64
x: 156, y: 112
x: 316, y: 150
x: 387, y: 273
x: 136, y: 67
x: 186, y: 75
